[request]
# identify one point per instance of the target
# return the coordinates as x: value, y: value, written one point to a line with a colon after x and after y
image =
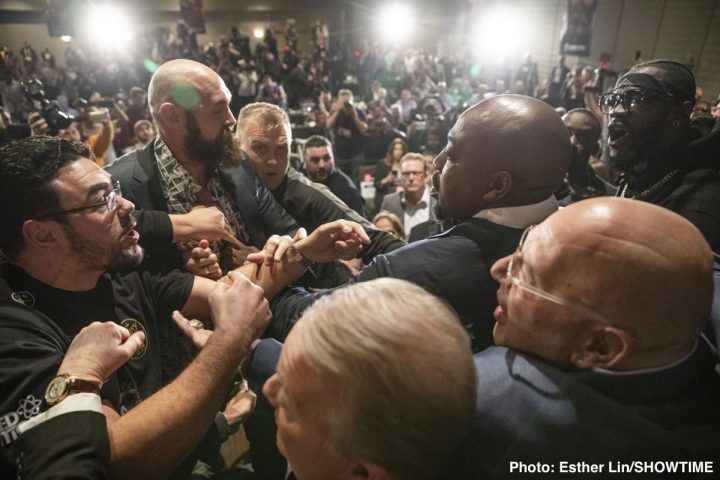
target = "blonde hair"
x: 404, y: 369
x: 269, y: 115
x: 393, y: 219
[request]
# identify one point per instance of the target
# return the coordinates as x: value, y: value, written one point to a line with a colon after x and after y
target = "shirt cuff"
x: 78, y: 402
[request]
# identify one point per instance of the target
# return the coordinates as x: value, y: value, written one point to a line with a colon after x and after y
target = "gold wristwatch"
x: 294, y: 256
x: 64, y: 385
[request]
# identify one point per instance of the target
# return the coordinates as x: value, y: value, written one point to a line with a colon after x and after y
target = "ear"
x: 368, y: 471
x: 42, y: 234
x: 170, y: 114
x: 605, y: 348
x: 499, y: 186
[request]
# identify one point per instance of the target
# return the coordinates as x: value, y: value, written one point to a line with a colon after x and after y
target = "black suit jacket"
x: 71, y: 445
x: 140, y: 183
x: 528, y: 411
x: 454, y: 265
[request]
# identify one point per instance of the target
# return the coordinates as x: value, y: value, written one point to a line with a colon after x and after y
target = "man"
x: 348, y: 406
x: 64, y: 228
x: 504, y: 159
x: 583, y: 178
x: 193, y: 162
x: 414, y: 204
x: 348, y: 125
x: 319, y: 165
x: 265, y: 135
x: 598, y: 333
x: 649, y: 113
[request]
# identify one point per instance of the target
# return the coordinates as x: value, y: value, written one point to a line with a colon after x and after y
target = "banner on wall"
x: 59, y: 18
x: 193, y: 14
x: 577, y: 32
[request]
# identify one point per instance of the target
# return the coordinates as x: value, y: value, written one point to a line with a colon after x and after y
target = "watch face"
x: 56, y: 390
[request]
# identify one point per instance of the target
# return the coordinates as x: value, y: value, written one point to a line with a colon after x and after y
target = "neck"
x: 62, y: 273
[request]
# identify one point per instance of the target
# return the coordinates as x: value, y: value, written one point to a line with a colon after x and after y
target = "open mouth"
x: 618, y: 135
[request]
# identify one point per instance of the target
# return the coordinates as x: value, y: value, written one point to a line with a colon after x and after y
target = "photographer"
x: 93, y: 127
x: 348, y: 126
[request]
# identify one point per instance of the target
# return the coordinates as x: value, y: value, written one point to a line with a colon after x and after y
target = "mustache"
x: 132, y: 223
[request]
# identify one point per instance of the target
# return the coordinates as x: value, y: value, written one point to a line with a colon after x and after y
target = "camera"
x: 348, y: 107
x: 49, y: 109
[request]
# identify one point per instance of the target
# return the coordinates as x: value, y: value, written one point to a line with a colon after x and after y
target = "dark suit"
x: 393, y: 203
x: 454, y: 265
x: 528, y: 411
x: 72, y: 445
x: 140, y: 182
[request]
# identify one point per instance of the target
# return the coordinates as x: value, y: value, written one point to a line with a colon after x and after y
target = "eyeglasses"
x: 630, y: 99
x: 511, y: 276
x: 109, y: 201
x: 412, y: 174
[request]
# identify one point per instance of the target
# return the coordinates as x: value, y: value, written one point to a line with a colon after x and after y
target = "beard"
x: 103, y: 256
x: 646, y: 144
x: 223, y: 150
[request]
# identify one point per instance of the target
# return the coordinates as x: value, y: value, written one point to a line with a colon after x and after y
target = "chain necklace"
x: 650, y: 191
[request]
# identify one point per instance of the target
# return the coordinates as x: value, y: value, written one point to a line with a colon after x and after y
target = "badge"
x: 24, y: 298
x: 134, y: 326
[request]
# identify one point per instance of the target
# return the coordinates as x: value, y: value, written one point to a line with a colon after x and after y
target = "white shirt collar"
x: 522, y: 216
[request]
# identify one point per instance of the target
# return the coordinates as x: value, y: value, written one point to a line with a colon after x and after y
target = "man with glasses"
x: 67, y: 234
x: 414, y: 204
x: 651, y: 144
x: 600, y: 357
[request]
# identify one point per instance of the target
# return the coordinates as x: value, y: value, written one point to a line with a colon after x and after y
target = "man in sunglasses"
x: 649, y: 116
x: 600, y: 357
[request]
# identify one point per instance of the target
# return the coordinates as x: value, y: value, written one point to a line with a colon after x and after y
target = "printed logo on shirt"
x: 28, y: 407
x: 24, y: 298
x: 134, y: 326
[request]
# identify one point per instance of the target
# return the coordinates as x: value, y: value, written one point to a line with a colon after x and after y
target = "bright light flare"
x: 501, y: 34
x: 396, y: 23
x: 109, y: 26
x: 259, y: 33
x: 65, y: 38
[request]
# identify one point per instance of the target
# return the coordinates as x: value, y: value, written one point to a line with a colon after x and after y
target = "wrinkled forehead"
x: 262, y: 129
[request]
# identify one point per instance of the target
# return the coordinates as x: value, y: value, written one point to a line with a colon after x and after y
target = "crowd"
x: 228, y: 253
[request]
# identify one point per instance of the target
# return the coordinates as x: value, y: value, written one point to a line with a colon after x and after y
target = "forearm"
x: 152, y: 439
x: 182, y: 228
x: 272, y: 279
x: 332, y: 119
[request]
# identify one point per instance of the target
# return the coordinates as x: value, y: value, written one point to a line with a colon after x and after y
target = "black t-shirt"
x: 32, y: 346
x: 348, y: 137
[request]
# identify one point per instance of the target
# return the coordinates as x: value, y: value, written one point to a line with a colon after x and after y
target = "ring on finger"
x: 196, y: 324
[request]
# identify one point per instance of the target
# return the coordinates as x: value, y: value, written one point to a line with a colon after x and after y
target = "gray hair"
x: 405, y: 372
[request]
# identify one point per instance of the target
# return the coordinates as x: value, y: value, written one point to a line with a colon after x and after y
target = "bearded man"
x: 651, y: 143
x: 194, y: 162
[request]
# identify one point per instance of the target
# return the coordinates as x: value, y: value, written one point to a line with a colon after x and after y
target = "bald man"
x: 504, y: 159
x: 600, y: 357
x: 194, y: 162
x: 649, y: 138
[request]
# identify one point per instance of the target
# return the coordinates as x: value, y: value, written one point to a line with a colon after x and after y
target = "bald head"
x: 610, y: 255
x: 181, y: 82
x: 508, y: 150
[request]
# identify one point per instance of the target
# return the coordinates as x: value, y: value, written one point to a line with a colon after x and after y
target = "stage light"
x: 259, y: 33
x: 396, y: 23
x: 65, y: 38
x: 108, y: 26
x: 501, y: 34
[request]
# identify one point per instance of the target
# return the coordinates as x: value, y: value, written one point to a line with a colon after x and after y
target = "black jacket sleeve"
x: 73, y: 445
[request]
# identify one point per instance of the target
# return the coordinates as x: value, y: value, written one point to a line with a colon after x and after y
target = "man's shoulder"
x: 340, y: 178
x: 129, y: 163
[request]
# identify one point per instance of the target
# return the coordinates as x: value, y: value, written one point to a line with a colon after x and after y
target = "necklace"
x: 650, y: 191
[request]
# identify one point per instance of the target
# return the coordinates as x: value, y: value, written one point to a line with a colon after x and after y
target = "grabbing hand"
x: 338, y: 239
x: 100, y: 349
x: 201, y: 261
x: 210, y: 224
x: 275, y: 248
x: 240, y: 254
